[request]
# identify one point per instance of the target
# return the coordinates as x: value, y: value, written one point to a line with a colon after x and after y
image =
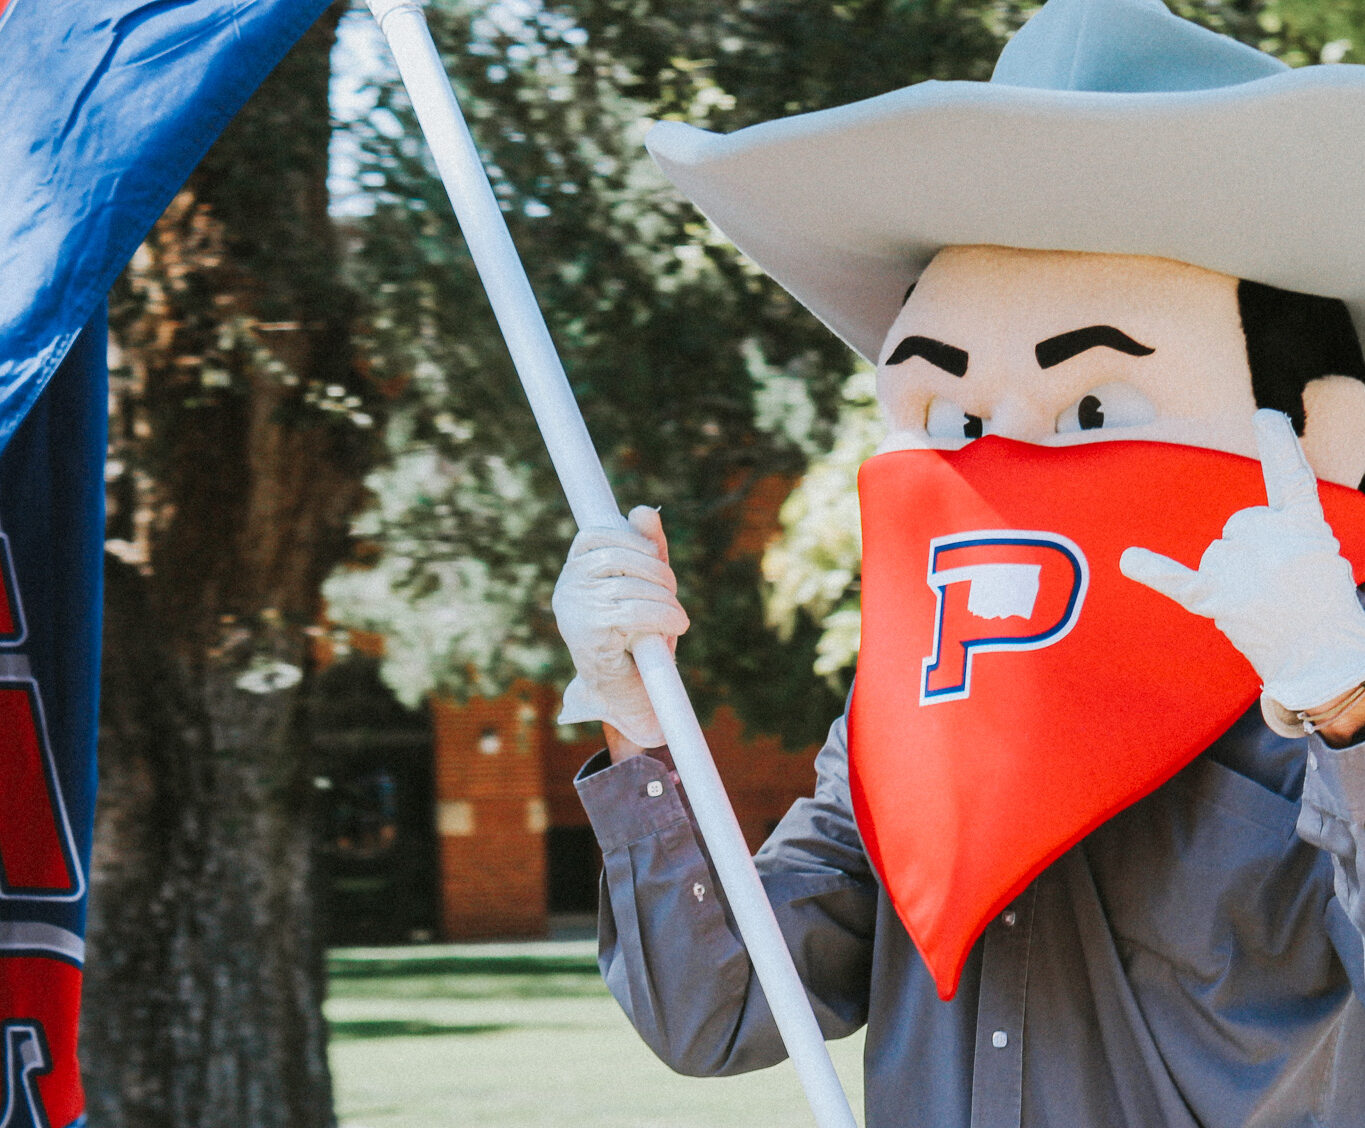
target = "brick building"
x: 463, y: 824
x: 513, y: 839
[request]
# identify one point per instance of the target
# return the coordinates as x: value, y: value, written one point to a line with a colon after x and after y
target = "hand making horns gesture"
x: 1275, y: 584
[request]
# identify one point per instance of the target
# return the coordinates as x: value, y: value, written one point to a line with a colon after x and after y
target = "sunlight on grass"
x: 522, y: 1036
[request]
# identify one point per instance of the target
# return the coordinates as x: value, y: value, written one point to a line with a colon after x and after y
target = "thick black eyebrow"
x: 1066, y: 345
x: 947, y: 357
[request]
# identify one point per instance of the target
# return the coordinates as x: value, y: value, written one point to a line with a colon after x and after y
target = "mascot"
x: 1085, y: 849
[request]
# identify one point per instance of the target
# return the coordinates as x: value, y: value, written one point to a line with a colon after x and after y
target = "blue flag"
x: 107, y: 106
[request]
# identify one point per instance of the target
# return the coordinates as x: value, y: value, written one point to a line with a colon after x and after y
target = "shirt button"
x: 1008, y: 918
x: 1312, y: 762
x: 654, y: 788
x: 1000, y: 1039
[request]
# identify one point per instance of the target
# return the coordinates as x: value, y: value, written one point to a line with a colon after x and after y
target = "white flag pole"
x: 590, y: 498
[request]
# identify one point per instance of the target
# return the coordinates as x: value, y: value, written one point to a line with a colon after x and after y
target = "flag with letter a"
x: 107, y: 106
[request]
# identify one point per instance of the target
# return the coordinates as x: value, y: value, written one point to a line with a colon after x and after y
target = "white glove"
x: 1275, y: 583
x: 615, y: 589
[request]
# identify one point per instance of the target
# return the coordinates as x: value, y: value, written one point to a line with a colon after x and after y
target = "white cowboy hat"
x: 1108, y: 125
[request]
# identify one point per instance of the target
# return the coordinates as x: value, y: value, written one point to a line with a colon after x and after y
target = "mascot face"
x: 1057, y: 348
x: 992, y: 595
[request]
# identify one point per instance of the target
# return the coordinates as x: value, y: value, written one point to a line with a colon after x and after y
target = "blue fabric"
x: 52, y: 515
x: 107, y: 106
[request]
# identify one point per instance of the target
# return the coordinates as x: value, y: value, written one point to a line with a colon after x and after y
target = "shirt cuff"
x: 1279, y: 720
x: 631, y: 800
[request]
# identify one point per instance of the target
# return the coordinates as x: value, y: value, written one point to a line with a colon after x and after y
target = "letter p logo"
x: 998, y: 590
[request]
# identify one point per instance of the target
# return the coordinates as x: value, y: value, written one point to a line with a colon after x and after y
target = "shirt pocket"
x: 1208, y: 874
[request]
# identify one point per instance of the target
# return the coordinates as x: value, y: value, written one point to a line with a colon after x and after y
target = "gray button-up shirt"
x: 1193, y: 962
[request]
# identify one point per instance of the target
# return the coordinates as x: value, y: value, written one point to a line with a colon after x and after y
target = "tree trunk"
x: 204, y: 983
x: 237, y: 462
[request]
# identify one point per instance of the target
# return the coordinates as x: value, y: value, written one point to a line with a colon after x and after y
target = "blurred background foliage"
x: 700, y: 379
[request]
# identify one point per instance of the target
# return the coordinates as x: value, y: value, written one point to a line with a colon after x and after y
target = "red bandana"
x: 1015, y: 690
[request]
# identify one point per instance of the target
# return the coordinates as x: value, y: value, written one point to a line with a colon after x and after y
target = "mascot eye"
x: 1110, y: 405
x: 948, y: 421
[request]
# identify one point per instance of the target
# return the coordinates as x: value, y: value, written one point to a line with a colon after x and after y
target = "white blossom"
x: 814, y: 565
x: 458, y: 624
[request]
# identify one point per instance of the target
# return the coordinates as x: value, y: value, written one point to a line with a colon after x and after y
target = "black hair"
x: 1293, y: 339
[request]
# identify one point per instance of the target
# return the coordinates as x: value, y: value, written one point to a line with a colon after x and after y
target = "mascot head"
x: 1109, y: 127
x: 1061, y: 347
x: 1137, y: 230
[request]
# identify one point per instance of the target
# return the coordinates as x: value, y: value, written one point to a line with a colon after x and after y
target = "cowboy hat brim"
x: 1264, y: 180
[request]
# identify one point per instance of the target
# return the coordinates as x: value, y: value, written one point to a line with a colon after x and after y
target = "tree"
x: 701, y: 380
x: 240, y: 441
x: 814, y: 565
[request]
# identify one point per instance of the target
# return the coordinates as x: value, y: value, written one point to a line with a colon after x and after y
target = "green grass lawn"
x: 523, y: 1036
